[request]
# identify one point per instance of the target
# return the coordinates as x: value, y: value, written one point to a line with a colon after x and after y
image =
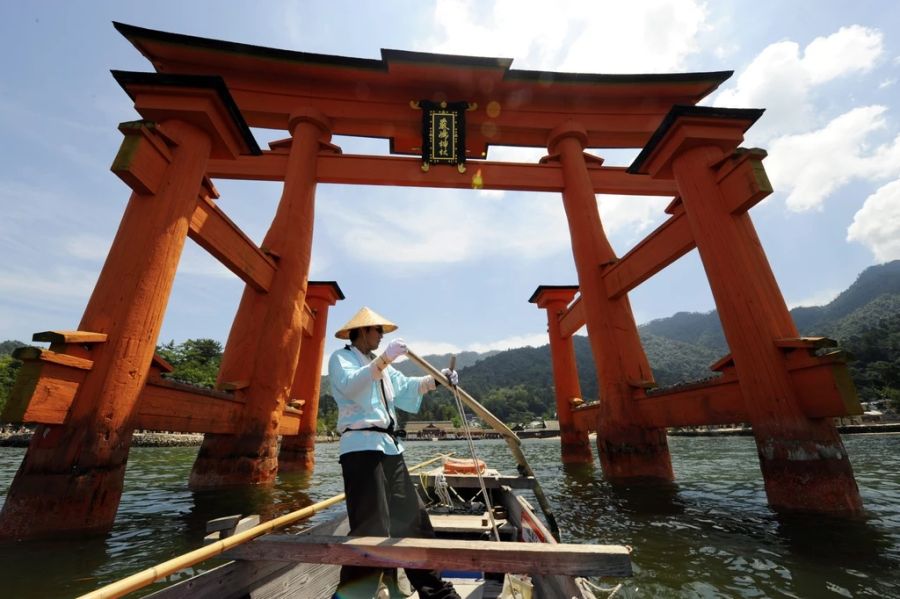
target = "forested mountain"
x: 9, y: 367
x: 7, y: 347
x: 864, y: 319
x: 517, y: 385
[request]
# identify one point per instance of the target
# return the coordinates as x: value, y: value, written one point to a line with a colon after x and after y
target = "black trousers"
x: 382, y: 502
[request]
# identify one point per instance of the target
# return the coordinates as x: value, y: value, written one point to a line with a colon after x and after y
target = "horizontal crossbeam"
x: 441, y: 554
x: 822, y: 383
x: 407, y: 172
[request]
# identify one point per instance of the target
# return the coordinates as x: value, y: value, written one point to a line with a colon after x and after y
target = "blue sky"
x: 455, y: 268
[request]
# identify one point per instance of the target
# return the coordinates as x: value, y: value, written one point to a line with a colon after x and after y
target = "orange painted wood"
x: 42, y: 393
x: 823, y: 385
x: 309, y: 319
x: 669, y: 242
x: 217, y: 234
x: 45, y: 355
x: 627, y: 448
x: 572, y: 319
x: 85, y: 458
x: 394, y: 170
x: 297, y: 453
x: 143, y: 157
x: 69, y: 337
x: 169, y: 406
x: 289, y: 424
x: 200, y: 107
x: 269, y: 328
x: 574, y: 445
x: 743, y: 179
x: 803, y: 460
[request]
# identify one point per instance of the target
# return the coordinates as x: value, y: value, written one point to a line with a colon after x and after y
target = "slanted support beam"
x: 218, y: 235
x: 669, y: 242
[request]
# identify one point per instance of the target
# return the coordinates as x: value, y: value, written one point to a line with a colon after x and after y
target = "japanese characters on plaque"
x: 443, y: 133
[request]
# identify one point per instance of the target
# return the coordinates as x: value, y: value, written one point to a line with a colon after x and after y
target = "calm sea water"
x: 709, y: 535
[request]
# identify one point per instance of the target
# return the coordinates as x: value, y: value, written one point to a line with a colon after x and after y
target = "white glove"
x: 451, y: 375
x: 394, y: 350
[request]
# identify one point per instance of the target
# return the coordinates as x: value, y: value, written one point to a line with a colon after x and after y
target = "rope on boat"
x: 512, y: 440
x: 146, y: 577
x: 465, y: 424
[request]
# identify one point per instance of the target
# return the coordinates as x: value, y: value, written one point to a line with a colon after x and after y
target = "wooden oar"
x: 512, y: 440
x: 150, y: 575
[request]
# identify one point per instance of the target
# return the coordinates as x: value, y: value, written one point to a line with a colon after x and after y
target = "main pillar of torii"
x: 803, y: 460
x: 298, y: 452
x: 71, y: 478
x: 575, y: 446
x: 628, y: 448
x: 264, y: 343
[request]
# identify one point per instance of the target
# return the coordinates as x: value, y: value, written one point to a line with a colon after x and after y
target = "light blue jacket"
x: 358, y: 396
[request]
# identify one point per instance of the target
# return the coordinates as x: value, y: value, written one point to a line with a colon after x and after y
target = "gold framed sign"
x: 443, y: 133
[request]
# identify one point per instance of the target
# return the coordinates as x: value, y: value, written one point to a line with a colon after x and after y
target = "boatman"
x: 381, y: 498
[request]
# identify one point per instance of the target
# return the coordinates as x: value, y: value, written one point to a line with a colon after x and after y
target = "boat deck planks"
x: 440, y: 554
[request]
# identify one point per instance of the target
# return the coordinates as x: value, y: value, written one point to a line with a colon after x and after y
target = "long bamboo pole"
x: 143, y: 578
x: 512, y: 440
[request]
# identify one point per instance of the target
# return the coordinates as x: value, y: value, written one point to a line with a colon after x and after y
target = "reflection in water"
x: 711, y: 535
x: 30, y: 569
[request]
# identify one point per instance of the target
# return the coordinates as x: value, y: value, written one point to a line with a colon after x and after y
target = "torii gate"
x: 95, y: 385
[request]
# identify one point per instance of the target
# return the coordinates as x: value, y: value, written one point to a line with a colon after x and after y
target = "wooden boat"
x: 526, y: 562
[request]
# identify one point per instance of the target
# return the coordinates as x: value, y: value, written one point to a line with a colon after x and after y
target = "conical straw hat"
x: 365, y: 318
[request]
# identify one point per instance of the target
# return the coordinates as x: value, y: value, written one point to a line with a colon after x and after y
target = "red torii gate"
x: 95, y: 385
x: 772, y: 378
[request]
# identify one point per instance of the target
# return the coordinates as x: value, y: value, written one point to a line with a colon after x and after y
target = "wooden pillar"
x: 264, y: 343
x: 804, y: 463
x: 628, y: 449
x: 72, y: 475
x: 297, y: 453
x: 575, y: 447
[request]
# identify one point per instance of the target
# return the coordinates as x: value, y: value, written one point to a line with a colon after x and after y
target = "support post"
x: 71, y: 478
x: 264, y: 343
x: 297, y: 453
x: 628, y: 449
x: 575, y: 446
x: 803, y: 460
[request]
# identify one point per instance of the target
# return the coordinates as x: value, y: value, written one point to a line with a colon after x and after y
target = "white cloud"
x: 424, y: 347
x: 57, y: 286
x: 568, y: 35
x: 853, y: 48
x: 633, y: 214
x: 87, y: 246
x: 533, y: 340
x: 810, y: 166
x: 819, y: 298
x: 783, y: 81
x: 451, y: 226
x: 408, y: 234
x: 877, y: 224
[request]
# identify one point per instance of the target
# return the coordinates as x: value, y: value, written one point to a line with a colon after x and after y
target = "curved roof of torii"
x: 367, y: 97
